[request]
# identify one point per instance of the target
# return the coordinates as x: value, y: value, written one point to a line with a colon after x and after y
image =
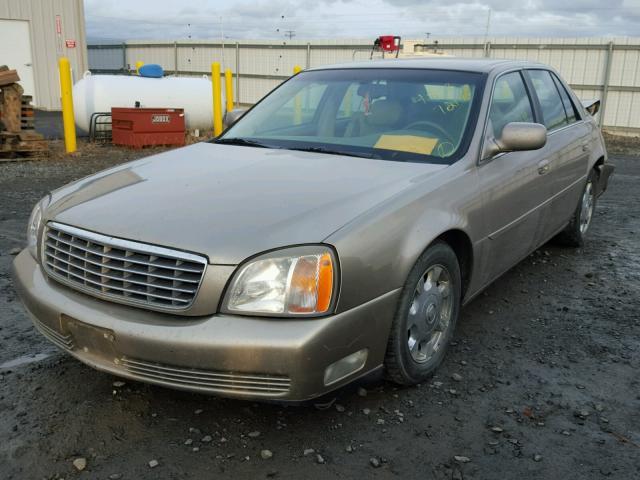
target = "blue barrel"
x: 151, y: 70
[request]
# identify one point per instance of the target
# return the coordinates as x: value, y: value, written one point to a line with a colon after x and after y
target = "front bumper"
x: 234, y: 356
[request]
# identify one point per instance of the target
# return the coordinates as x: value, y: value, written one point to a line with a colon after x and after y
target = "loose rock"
x: 80, y: 464
x: 153, y: 463
x: 375, y: 463
x: 461, y: 459
x: 266, y: 454
x: 457, y: 377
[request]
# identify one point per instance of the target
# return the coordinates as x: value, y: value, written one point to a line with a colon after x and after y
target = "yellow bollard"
x: 68, y: 119
x: 217, y: 98
x: 228, y: 90
x: 297, y: 112
x: 139, y: 64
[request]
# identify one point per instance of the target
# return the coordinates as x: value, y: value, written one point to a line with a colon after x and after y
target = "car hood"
x: 231, y: 202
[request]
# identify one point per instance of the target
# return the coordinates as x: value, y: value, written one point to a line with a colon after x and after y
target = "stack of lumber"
x: 17, y: 134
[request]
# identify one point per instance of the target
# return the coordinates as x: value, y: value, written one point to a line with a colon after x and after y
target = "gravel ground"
x: 541, y: 380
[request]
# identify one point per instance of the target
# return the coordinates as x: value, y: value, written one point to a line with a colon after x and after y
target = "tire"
x: 575, y: 233
x: 426, y: 316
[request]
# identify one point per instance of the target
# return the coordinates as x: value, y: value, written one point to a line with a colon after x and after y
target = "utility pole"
x: 486, y: 30
x: 290, y: 34
x: 222, y: 41
x: 486, y: 33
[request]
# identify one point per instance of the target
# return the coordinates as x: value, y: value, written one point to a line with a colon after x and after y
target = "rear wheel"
x: 575, y: 233
x: 426, y: 316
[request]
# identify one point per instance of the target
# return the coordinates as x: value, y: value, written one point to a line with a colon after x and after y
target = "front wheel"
x: 575, y: 233
x: 426, y: 316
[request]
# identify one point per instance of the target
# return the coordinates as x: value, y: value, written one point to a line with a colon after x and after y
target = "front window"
x: 509, y: 103
x: 392, y: 114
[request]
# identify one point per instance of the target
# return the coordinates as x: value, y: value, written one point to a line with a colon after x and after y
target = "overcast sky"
x: 118, y: 20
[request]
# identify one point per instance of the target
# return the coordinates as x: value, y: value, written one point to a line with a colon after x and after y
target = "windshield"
x: 394, y: 114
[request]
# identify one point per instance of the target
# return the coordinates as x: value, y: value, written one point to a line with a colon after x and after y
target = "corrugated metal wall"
x: 588, y: 64
x: 608, y: 69
x: 46, y: 46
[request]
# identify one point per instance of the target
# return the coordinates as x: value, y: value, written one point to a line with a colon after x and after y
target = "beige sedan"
x: 334, y: 231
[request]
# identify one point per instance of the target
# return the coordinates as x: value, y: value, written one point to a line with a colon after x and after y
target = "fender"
x: 378, y: 249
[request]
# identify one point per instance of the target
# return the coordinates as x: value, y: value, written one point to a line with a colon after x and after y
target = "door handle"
x: 543, y: 167
x: 27, y: 64
x: 585, y: 147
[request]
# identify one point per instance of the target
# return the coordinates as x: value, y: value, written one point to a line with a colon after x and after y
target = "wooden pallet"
x: 11, y: 107
x: 26, y: 113
x: 24, y: 144
x: 7, y: 76
x: 19, y: 139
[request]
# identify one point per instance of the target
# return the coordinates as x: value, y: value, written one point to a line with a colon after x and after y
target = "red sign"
x: 70, y: 43
x: 58, y: 24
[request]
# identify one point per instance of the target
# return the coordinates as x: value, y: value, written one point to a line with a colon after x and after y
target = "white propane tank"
x: 98, y: 93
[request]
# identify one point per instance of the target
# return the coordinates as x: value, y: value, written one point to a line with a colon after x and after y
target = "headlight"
x: 33, y: 227
x: 299, y: 281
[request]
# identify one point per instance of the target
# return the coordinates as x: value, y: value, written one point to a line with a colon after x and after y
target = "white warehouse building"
x: 33, y: 35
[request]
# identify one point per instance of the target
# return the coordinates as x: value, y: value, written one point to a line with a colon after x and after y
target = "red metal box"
x: 142, y: 127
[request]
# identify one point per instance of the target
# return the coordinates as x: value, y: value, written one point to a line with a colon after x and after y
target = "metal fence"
x: 608, y: 69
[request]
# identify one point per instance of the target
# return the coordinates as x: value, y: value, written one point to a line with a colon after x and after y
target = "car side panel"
x: 567, y: 173
x: 378, y: 249
x: 514, y: 196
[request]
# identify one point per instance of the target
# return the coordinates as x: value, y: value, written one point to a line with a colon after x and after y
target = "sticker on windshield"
x: 407, y: 143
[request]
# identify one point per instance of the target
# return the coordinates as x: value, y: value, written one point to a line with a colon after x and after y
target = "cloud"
x: 120, y: 20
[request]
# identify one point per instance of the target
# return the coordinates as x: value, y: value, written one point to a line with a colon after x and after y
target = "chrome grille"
x: 207, y: 380
x: 121, y: 270
x: 62, y: 341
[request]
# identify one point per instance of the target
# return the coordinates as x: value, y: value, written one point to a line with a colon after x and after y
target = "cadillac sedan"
x: 333, y: 231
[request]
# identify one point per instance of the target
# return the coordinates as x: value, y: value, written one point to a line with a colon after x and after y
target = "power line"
x: 289, y: 34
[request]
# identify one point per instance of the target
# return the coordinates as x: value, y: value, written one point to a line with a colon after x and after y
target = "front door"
x: 515, y: 185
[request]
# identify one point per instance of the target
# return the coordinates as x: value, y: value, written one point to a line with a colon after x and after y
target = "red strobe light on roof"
x: 386, y: 44
x: 389, y: 43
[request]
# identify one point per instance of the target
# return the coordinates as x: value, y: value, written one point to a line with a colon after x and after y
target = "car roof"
x: 480, y: 65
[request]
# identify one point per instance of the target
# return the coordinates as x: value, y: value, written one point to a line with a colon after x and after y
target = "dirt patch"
x: 622, y: 144
x: 541, y: 380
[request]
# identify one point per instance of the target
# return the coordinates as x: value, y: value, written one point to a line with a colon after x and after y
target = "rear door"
x: 514, y: 185
x: 567, y: 144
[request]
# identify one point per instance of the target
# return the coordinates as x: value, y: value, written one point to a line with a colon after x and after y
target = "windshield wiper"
x: 334, y: 152
x: 246, y: 142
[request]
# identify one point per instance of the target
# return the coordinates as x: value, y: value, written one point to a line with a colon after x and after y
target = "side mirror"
x: 517, y: 136
x: 591, y: 106
x: 233, y: 116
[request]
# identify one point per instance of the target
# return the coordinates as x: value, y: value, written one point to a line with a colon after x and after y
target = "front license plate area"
x: 89, y: 339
